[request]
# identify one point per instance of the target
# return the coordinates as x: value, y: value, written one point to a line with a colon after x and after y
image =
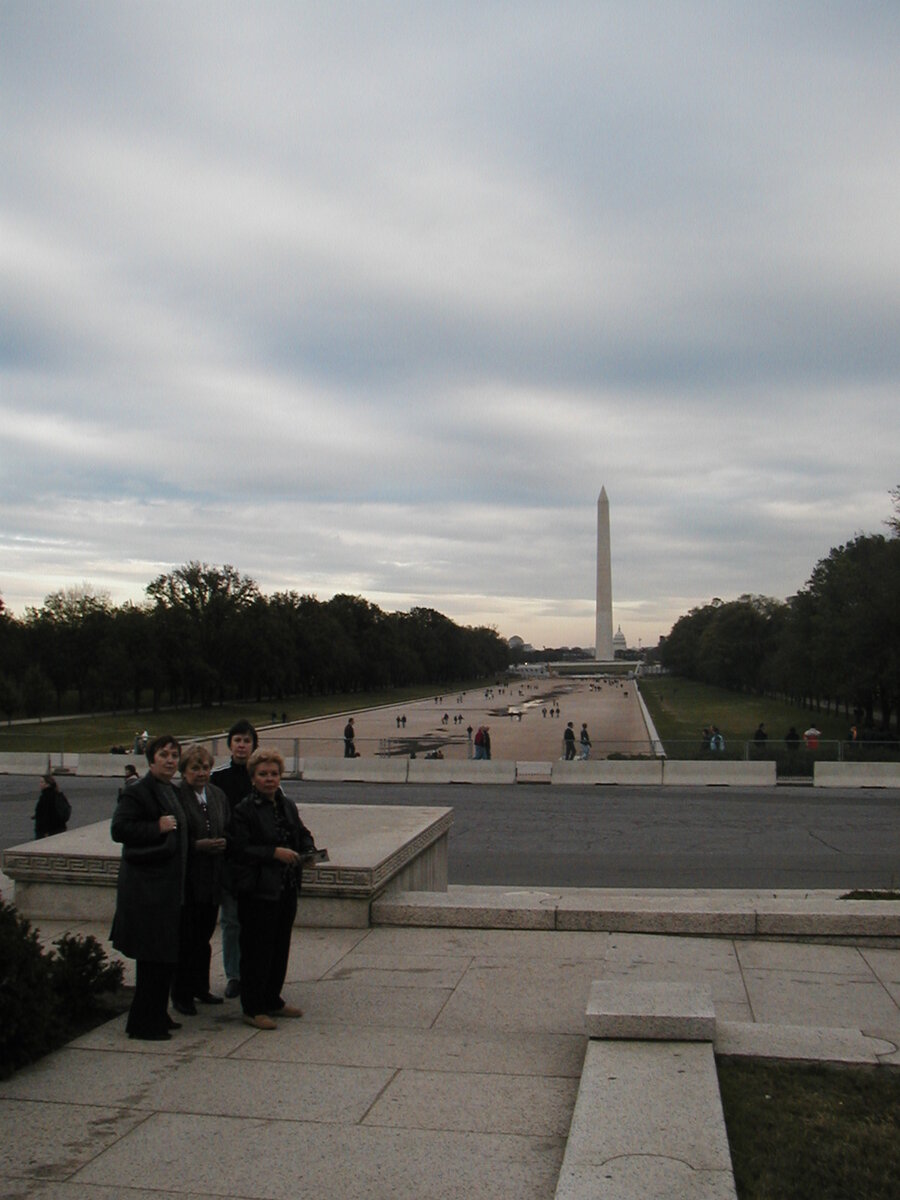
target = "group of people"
x: 584, y: 741
x: 228, y: 838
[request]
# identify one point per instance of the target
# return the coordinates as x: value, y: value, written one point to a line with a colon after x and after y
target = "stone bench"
x: 373, y: 851
x: 856, y: 775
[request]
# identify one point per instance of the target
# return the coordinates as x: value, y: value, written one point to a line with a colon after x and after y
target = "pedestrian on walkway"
x: 569, y: 742
x: 585, y: 740
x: 52, y: 811
x: 349, y: 740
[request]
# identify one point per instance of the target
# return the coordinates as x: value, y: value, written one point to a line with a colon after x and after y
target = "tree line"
x: 207, y: 634
x: 835, y: 645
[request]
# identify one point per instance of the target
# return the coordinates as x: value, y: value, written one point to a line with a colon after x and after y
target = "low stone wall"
x: 856, y: 775
x: 105, y: 766
x: 373, y: 851
x: 465, y: 770
x: 28, y: 764
x: 718, y: 774
x: 608, y: 771
x: 361, y: 770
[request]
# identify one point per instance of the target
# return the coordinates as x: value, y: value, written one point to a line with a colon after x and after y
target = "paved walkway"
x: 610, y: 709
x: 432, y: 1063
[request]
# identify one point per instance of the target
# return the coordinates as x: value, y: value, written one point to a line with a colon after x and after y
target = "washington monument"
x: 603, y: 641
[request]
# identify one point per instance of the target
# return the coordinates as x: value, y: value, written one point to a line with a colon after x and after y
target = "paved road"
x: 543, y: 836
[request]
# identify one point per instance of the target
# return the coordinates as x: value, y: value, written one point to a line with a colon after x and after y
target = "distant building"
x: 619, y: 643
x: 516, y: 643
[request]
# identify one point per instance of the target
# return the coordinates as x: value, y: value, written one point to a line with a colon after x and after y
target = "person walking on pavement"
x: 349, y: 740
x: 569, y: 741
x: 585, y: 740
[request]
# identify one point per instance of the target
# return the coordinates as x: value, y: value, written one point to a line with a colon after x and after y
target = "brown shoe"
x: 289, y: 1010
x: 260, y: 1021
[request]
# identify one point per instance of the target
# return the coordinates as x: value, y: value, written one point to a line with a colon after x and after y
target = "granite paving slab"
x: 210, y: 1036
x: 401, y: 970
x: 515, y: 945
x: 532, y: 996
x: 885, y: 964
x: 51, y: 1141
x: 800, y: 956
x: 213, y: 1086
x: 347, y: 1002
x: 799, y: 1043
x: 28, y: 1189
x: 429, y: 1050
x: 473, y: 1102
x: 819, y: 998
x: 279, y: 1160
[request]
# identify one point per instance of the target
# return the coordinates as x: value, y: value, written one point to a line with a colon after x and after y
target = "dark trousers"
x: 266, y: 927
x: 149, y: 1012
x: 195, y: 930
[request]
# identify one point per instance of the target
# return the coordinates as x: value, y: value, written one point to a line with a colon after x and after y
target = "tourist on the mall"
x: 268, y: 844
x: 150, y: 823
x: 235, y: 783
x: 585, y: 739
x: 52, y: 811
x: 208, y: 820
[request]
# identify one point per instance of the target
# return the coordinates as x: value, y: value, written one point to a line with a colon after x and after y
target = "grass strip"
x: 801, y: 1132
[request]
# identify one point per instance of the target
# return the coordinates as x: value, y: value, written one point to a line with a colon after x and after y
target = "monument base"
x: 373, y: 851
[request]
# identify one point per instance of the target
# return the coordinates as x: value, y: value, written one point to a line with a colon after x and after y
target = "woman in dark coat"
x: 52, y: 809
x: 269, y: 842
x: 150, y: 823
x: 208, y: 820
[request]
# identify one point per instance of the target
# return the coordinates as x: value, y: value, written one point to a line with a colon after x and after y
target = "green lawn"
x: 96, y: 734
x: 801, y: 1132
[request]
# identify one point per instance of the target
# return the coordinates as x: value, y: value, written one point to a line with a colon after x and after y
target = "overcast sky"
x: 374, y: 298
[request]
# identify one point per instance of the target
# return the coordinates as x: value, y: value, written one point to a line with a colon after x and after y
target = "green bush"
x: 45, y: 994
x: 30, y: 1018
x: 80, y: 973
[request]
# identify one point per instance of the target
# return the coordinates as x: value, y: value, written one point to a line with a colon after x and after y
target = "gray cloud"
x: 374, y: 298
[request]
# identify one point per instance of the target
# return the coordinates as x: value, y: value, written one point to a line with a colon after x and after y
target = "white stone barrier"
x: 358, y: 770
x: 107, y: 766
x: 608, y: 771
x: 699, y: 773
x: 856, y: 775
x: 26, y: 763
x: 461, y: 770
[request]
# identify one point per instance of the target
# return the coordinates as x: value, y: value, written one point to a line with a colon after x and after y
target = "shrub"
x: 45, y: 994
x: 30, y: 1017
x: 80, y: 973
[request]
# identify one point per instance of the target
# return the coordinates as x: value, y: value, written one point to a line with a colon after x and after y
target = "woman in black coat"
x: 269, y: 842
x: 208, y: 821
x: 149, y: 822
x: 51, y: 814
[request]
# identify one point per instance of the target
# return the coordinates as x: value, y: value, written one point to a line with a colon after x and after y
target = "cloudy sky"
x: 373, y: 297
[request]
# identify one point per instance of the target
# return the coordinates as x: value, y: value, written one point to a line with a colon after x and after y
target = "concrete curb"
x: 808, y: 915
